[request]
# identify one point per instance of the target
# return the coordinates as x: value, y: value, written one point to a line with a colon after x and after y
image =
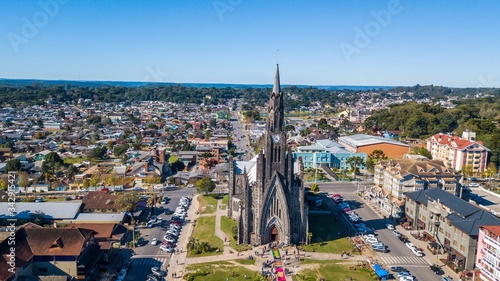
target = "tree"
x: 213, y: 122
x: 289, y: 128
x: 127, y: 202
x: 315, y: 188
x: 177, y: 166
x: 355, y: 162
x: 23, y: 180
x: 13, y: 165
x: 468, y: 170
x: 71, y: 172
x: 4, y: 184
x: 112, y: 179
x: 377, y: 155
x: 491, y: 170
x: 38, y: 217
x: 422, y: 151
x: 95, y: 180
x: 86, y: 183
x: 205, y: 185
x: 53, y: 159
x: 97, y: 153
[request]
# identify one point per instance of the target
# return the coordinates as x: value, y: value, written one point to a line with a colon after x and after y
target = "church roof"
x: 249, y: 166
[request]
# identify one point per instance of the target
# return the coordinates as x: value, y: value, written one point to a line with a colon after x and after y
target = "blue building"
x: 328, y: 152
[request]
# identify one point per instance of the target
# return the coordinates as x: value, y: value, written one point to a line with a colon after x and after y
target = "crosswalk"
x: 403, y: 260
x: 148, y: 261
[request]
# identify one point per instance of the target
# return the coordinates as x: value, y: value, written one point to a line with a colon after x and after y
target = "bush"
x: 191, y: 276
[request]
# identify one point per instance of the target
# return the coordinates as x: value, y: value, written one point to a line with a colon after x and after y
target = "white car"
x: 390, y: 226
x: 369, y: 236
x: 166, y: 249
x: 410, y: 245
x: 403, y: 274
x: 417, y: 252
x: 372, y: 240
x: 154, y: 241
x: 407, y: 278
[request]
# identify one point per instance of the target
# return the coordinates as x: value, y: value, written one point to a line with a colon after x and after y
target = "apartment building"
x: 488, y: 252
x: 395, y: 177
x: 459, y: 152
x: 450, y: 222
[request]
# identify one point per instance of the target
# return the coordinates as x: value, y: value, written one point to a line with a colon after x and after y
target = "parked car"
x: 417, y: 252
x: 390, y: 226
x: 158, y: 272
x: 396, y: 233
x: 154, y: 241
x: 410, y: 245
x: 403, y: 273
x: 436, y: 269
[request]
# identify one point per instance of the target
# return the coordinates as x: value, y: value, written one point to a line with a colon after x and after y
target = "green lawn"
x: 218, y: 271
x: 324, y: 235
x: 332, y: 271
x: 225, y: 199
x: 208, y: 204
x: 204, y: 231
x: 246, y: 261
x: 226, y: 224
x: 74, y: 160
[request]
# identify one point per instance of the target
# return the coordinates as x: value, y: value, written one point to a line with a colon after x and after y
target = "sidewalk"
x: 429, y: 257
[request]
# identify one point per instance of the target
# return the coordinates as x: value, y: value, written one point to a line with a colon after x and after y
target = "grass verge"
x: 226, y: 224
x: 324, y: 235
x: 217, y: 271
x: 332, y: 270
x: 208, y: 204
x: 204, y: 231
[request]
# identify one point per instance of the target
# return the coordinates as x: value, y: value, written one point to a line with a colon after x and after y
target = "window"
x: 455, y: 243
x: 462, y: 248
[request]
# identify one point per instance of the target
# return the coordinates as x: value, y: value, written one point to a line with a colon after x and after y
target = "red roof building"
x: 459, y: 152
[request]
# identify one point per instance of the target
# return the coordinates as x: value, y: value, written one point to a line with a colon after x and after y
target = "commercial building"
x: 450, y: 222
x: 488, y: 252
x: 457, y: 153
x: 367, y: 144
x: 326, y: 152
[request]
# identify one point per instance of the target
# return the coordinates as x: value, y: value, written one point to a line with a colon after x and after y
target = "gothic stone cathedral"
x: 266, y: 197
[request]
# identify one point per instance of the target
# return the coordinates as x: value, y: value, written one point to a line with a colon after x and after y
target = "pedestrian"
x: 233, y: 274
x: 225, y: 239
x: 177, y: 261
x: 245, y: 276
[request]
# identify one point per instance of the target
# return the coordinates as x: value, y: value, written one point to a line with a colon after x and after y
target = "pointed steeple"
x: 277, y: 86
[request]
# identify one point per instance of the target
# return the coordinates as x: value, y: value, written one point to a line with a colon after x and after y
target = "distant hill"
x: 50, y: 83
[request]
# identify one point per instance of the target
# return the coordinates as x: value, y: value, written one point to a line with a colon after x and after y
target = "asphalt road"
x: 241, y: 137
x: 399, y: 254
x: 148, y: 256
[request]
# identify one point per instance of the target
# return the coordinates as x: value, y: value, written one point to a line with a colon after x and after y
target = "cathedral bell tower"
x: 275, y: 148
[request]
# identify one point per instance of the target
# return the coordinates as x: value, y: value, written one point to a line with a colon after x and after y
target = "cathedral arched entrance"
x: 274, y: 234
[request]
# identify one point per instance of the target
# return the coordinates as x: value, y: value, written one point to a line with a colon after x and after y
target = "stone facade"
x: 266, y: 197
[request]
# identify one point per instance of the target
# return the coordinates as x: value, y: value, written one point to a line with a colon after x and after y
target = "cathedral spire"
x: 277, y: 86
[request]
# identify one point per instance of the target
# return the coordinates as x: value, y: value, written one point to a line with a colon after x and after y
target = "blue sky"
x: 323, y: 42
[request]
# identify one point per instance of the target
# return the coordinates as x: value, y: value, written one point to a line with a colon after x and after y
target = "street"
x: 399, y: 254
x: 148, y: 256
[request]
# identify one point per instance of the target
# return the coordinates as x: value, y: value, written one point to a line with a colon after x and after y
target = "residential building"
x: 367, y: 144
x: 488, y: 252
x: 99, y: 201
x: 457, y: 153
x: 326, y: 152
x: 393, y: 178
x: 449, y: 221
x: 67, y: 252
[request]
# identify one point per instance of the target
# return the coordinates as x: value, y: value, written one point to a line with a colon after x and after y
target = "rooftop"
x: 362, y: 140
